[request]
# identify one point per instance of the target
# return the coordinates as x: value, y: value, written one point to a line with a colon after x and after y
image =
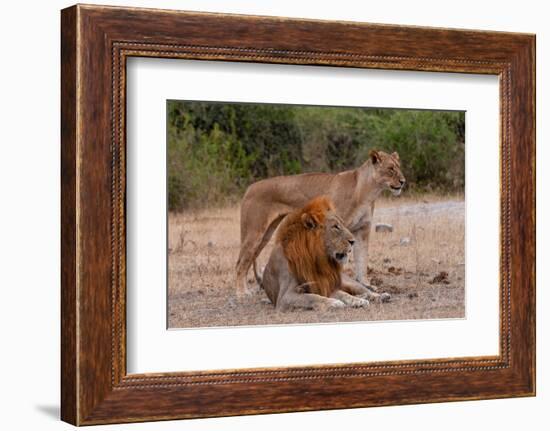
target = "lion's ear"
x: 395, y: 156
x: 374, y: 157
x: 309, y: 221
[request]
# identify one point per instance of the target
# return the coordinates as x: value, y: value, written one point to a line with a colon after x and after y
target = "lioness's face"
x: 338, y: 239
x: 388, y: 171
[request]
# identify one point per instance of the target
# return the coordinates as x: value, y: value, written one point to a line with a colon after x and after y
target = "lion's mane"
x: 302, y: 238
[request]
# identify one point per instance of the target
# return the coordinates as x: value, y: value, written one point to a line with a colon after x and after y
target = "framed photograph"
x: 264, y: 214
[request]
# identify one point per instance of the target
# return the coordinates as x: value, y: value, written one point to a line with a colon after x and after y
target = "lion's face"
x: 316, y: 243
x: 388, y: 171
x: 338, y: 239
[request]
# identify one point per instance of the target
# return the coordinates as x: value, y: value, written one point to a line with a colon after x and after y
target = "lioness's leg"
x: 249, y: 252
x: 355, y: 288
x: 361, y: 252
x: 350, y: 300
x: 294, y: 297
x: 246, y: 257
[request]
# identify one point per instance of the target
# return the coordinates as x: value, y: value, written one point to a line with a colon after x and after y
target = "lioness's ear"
x: 309, y: 221
x: 374, y: 157
x: 395, y: 156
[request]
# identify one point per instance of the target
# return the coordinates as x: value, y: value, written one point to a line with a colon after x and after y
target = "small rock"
x: 210, y: 244
x: 412, y: 295
x: 386, y: 260
x: 405, y: 241
x: 436, y: 261
x: 384, y: 227
x: 395, y: 271
x: 442, y: 277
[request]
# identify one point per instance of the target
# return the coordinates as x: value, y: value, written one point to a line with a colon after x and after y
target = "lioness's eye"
x: 336, y: 227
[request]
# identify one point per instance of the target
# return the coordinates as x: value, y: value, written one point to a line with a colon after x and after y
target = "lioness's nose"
x: 402, y: 181
x: 351, y: 241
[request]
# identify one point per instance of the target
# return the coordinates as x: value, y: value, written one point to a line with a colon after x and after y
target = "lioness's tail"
x: 257, y: 276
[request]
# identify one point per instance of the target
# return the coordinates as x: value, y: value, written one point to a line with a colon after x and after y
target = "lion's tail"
x: 257, y: 276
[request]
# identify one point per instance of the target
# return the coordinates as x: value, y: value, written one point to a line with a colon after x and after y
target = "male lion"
x: 353, y: 192
x: 305, y: 267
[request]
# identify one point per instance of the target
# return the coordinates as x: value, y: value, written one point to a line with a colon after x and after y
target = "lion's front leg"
x: 295, y: 297
x: 350, y: 300
x: 353, y: 287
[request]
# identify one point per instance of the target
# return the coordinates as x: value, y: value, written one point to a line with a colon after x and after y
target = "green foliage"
x: 215, y: 150
x: 430, y: 144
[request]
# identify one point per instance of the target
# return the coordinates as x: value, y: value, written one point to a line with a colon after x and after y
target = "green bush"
x: 430, y: 144
x: 215, y: 150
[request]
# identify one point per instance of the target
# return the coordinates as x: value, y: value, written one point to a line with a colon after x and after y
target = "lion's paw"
x: 334, y: 303
x: 360, y: 302
x: 385, y: 297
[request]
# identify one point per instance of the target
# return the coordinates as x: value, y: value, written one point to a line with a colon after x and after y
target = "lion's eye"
x: 336, y: 227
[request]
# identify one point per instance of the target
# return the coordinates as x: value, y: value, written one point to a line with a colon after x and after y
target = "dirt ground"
x: 420, y: 263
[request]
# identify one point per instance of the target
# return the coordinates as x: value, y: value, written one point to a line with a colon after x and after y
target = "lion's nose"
x: 351, y: 241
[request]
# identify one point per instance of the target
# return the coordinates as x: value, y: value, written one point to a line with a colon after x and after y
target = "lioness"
x: 305, y: 266
x: 353, y: 192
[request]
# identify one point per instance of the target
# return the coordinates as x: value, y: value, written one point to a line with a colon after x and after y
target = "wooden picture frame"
x: 95, y: 43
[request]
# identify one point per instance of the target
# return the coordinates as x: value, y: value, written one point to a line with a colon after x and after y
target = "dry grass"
x: 425, y: 276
